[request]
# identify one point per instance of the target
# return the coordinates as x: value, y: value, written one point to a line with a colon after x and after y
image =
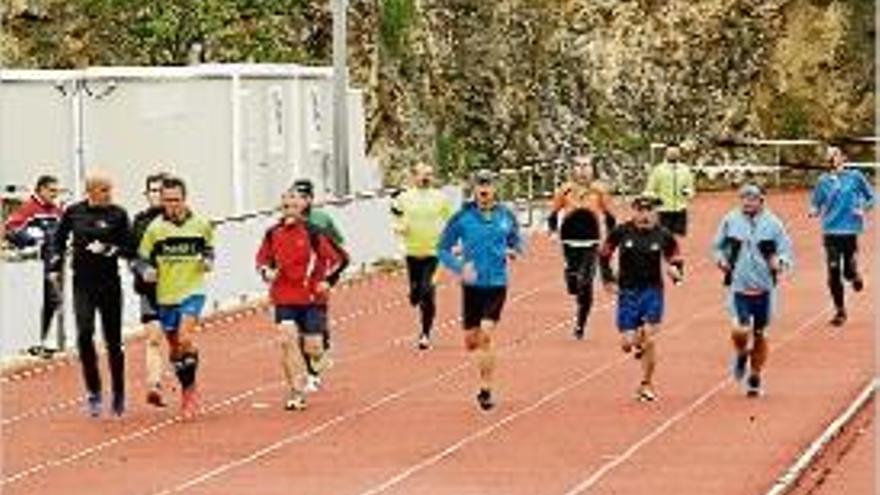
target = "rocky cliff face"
x: 510, y: 82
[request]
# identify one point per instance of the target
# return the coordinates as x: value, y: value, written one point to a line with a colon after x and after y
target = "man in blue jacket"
x: 485, y: 234
x: 751, y: 247
x: 841, y: 198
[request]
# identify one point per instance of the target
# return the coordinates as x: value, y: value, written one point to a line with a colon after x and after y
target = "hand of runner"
x: 723, y: 265
x: 269, y: 274
x: 207, y: 263
x: 512, y: 254
x: 55, y: 280
x: 468, y: 273
x: 675, y: 274
x: 96, y: 247
x: 322, y: 288
x: 150, y: 275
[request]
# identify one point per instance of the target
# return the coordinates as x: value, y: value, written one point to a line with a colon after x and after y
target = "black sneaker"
x: 753, y: 386
x: 484, y: 398
x: 857, y: 283
x: 424, y: 342
x: 118, y: 405
x: 839, y: 318
x: 578, y: 333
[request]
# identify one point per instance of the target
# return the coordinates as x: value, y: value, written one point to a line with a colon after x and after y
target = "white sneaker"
x: 313, y: 384
x: 424, y: 342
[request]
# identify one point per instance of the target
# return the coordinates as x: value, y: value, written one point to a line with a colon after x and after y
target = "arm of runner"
x: 606, y: 252
x: 719, y: 247
x: 208, y: 253
x: 59, y: 243
x: 817, y: 199
x: 515, y: 241
x: 784, y: 249
x: 335, y: 257
x: 688, y: 188
x: 265, y: 260
x: 145, y: 263
x: 869, y: 198
x: 672, y: 253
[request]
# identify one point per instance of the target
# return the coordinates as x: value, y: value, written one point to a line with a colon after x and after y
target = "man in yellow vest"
x: 672, y: 182
x: 420, y: 214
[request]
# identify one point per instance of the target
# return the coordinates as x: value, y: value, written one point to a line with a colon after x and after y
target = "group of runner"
x: 170, y: 249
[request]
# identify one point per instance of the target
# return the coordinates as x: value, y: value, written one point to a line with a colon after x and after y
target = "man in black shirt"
x: 147, y: 291
x: 643, y: 245
x: 100, y: 234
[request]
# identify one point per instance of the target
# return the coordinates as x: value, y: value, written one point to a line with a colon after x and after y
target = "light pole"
x: 340, y: 99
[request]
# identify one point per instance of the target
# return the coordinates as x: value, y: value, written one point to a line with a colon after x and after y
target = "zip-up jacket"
x: 838, y: 196
x: 303, y: 255
x: 485, y: 238
x: 746, y: 244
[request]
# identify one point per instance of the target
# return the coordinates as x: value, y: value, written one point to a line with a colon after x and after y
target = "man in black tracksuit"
x: 100, y: 234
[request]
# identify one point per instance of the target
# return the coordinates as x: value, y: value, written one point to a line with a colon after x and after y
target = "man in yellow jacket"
x: 420, y: 215
x: 673, y: 183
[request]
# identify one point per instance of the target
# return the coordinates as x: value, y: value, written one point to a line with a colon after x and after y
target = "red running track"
x: 393, y: 420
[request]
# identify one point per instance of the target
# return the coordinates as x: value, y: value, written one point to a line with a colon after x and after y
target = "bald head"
x: 673, y: 154
x: 99, y: 189
x: 423, y: 175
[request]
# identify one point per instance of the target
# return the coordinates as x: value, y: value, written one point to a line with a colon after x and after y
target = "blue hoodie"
x: 485, y: 238
x: 837, y: 196
x: 756, y: 237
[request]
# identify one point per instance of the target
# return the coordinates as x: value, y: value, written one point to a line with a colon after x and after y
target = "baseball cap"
x: 304, y: 187
x: 646, y: 200
x: 484, y: 176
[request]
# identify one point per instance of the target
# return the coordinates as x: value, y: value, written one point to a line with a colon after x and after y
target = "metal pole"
x: 340, y: 99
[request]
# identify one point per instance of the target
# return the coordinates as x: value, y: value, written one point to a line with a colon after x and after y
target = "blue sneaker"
x: 93, y: 404
x: 738, y: 369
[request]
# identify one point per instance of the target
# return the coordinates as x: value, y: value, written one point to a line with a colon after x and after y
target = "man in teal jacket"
x: 488, y: 235
x: 841, y: 197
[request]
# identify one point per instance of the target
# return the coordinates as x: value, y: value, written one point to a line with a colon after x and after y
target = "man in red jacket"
x: 301, y: 262
x: 34, y: 224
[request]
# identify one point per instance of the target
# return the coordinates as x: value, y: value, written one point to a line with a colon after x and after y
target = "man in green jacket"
x: 673, y: 183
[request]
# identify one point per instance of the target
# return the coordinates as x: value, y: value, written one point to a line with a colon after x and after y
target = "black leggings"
x: 580, y: 270
x: 51, y: 303
x: 422, y: 292
x: 840, y: 256
x: 107, y: 301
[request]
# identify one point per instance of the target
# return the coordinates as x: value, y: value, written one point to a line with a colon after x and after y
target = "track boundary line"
x: 792, y: 475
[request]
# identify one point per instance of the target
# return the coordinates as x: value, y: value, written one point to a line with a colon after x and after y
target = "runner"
x: 100, y: 234
x: 320, y: 219
x: 176, y: 252
x: 673, y: 183
x: 584, y: 206
x: 147, y: 291
x: 841, y: 198
x: 488, y: 234
x: 420, y: 215
x: 643, y: 245
x: 751, y: 248
x: 302, y: 263
x: 34, y: 224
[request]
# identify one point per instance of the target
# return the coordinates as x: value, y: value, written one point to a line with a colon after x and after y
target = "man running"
x: 420, y: 214
x: 581, y: 213
x: 488, y: 234
x: 100, y: 234
x: 176, y: 252
x: 751, y: 248
x: 34, y: 224
x: 320, y: 219
x: 841, y: 198
x: 673, y: 183
x: 302, y: 263
x: 643, y: 244
x: 147, y: 291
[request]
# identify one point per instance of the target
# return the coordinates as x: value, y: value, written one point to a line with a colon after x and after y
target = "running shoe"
x: 858, y: 283
x: 839, y: 318
x: 753, y: 386
x: 154, y: 397
x: 93, y: 404
x: 296, y: 401
x: 424, y: 342
x: 645, y: 393
x: 579, y: 333
x: 484, y: 399
x: 118, y: 405
x: 313, y: 383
